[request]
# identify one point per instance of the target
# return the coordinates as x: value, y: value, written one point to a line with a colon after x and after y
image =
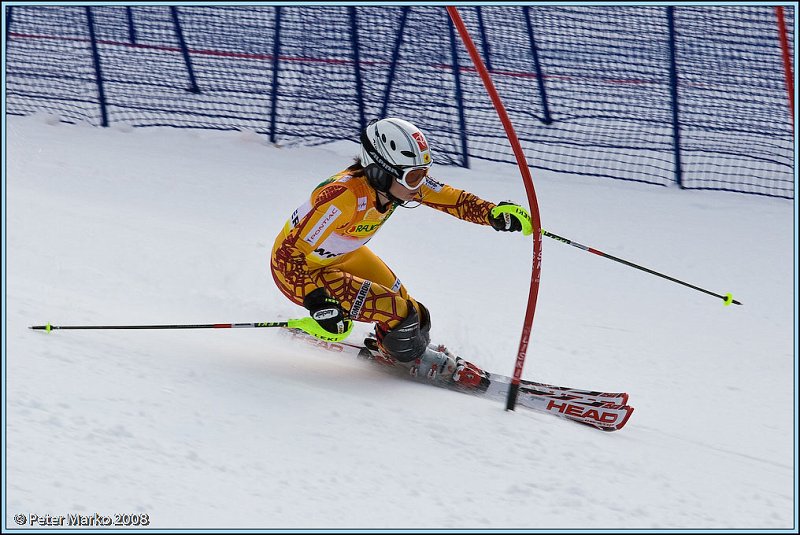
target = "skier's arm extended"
x: 505, y: 216
x: 456, y: 202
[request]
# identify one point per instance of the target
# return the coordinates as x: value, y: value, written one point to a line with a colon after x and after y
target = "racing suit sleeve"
x: 459, y: 203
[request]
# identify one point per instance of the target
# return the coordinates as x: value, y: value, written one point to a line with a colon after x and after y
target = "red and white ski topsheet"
x: 607, y: 411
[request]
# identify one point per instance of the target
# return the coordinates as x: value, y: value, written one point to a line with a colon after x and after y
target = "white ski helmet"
x: 395, y: 146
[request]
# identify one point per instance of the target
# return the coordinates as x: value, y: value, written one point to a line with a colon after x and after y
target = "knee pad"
x: 410, y: 338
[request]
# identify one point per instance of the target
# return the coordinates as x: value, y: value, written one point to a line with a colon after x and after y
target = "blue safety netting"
x: 691, y: 94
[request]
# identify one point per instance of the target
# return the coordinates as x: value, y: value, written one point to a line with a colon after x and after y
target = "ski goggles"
x: 412, y: 177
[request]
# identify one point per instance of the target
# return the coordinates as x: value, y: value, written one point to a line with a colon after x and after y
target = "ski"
x: 602, y: 415
x: 607, y: 411
x: 532, y: 387
x: 616, y: 398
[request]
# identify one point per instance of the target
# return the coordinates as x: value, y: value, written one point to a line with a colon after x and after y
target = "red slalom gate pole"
x: 534, y: 205
x: 787, y: 60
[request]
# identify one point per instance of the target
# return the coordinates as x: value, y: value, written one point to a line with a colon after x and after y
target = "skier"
x: 320, y: 259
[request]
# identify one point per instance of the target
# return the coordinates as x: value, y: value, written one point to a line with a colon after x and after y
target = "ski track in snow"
x: 250, y: 429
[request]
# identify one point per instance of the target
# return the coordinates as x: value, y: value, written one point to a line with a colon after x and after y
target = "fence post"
x: 484, y: 41
x: 357, y: 66
x: 276, y: 53
x: 9, y: 17
x: 184, y: 50
x: 98, y: 70
x: 547, y: 119
x: 462, y: 124
x: 131, y: 26
x: 673, y: 82
x: 395, y: 55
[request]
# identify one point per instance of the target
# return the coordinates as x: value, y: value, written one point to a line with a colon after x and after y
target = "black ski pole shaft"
x: 307, y: 324
x: 49, y: 327
x: 727, y: 299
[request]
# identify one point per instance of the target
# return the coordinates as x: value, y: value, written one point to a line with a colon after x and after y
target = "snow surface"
x: 246, y: 428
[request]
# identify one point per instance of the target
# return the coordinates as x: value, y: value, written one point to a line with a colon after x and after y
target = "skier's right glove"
x: 327, y: 311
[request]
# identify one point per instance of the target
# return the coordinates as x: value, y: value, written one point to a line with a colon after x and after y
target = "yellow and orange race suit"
x: 323, y: 244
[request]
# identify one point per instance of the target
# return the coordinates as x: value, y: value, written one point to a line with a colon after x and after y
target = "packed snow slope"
x: 246, y: 428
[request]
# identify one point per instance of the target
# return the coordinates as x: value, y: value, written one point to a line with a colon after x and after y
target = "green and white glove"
x: 510, y: 217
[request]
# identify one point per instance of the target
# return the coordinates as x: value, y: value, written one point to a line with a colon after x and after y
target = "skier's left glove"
x: 510, y: 217
x: 327, y: 311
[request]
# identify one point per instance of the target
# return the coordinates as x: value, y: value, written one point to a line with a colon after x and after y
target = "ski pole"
x: 308, y: 325
x: 727, y: 298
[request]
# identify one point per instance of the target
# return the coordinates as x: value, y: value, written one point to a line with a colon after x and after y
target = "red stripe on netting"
x: 332, y: 61
x: 787, y: 60
x: 195, y: 51
x: 528, y: 181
